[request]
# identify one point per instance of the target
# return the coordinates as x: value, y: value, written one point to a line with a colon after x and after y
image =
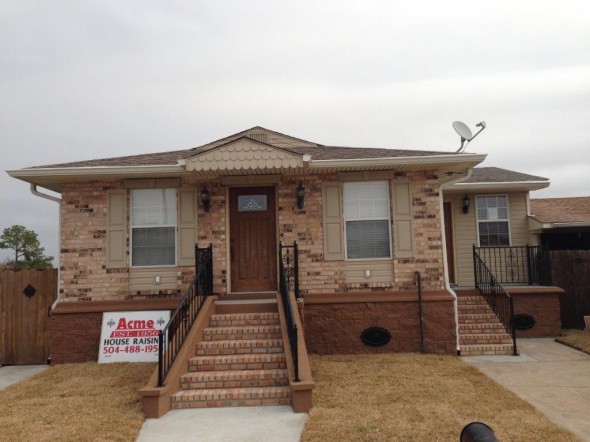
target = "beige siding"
x: 144, y: 278
x: 465, y: 230
x: 380, y: 271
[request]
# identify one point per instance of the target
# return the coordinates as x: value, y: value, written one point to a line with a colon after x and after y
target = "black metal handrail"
x: 289, y: 256
x: 287, y: 306
x: 181, y: 321
x: 518, y: 265
x: 496, y: 296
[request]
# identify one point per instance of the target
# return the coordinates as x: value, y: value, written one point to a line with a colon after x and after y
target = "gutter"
x: 35, y: 192
x: 502, y: 185
x: 94, y: 170
x: 399, y: 161
x: 444, y: 244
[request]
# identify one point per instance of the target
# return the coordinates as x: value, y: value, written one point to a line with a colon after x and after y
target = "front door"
x: 448, y: 212
x: 253, y: 242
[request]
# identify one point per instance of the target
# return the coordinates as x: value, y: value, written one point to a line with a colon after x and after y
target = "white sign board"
x: 131, y: 336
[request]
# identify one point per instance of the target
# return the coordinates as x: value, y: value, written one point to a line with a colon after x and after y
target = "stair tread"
x: 231, y: 393
x: 234, y: 374
x: 228, y: 343
x: 246, y: 357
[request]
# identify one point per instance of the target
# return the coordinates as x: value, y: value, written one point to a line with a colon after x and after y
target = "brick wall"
x: 84, y: 276
x: 544, y: 307
x: 336, y: 328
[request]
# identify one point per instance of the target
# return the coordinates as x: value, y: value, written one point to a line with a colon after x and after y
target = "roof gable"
x: 244, y: 155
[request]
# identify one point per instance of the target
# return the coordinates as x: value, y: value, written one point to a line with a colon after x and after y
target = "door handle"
x: 231, y: 253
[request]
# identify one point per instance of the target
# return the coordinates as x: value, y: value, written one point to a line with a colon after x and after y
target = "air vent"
x: 258, y: 136
x: 523, y: 321
x: 375, y: 336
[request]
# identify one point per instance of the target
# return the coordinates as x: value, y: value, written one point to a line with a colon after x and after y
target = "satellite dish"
x: 465, y: 133
x: 463, y: 130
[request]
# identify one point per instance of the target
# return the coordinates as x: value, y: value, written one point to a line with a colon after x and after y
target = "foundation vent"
x: 258, y: 136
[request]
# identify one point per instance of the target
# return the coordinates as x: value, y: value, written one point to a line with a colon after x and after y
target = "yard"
x: 75, y: 402
x: 415, y: 397
x: 578, y: 339
x: 357, y: 398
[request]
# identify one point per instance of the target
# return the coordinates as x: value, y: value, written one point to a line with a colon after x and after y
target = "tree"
x: 28, y: 252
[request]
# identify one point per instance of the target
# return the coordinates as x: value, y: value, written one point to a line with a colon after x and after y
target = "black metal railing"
x: 285, y: 292
x: 289, y: 256
x: 517, y: 265
x: 174, y: 334
x: 496, y: 296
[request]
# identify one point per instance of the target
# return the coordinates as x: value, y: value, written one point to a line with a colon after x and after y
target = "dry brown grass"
x: 578, y: 339
x: 409, y: 397
x: 75, y: 402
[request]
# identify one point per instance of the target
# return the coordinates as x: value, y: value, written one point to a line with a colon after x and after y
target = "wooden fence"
x: 571, y: 272
x: 25, y: 299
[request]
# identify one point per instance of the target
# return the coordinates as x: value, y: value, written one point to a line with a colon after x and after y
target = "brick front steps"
x: 480, y: 331
x: 240, y: 362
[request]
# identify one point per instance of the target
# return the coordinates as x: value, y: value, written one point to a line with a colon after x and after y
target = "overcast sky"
x: 92, y: 79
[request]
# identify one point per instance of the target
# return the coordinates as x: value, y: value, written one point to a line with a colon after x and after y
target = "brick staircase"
x: 480, y: 331
x: 239, y: 362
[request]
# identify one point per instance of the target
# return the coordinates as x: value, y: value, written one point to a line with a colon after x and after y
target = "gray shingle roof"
x: 317, y: 152
x: 498, y: 175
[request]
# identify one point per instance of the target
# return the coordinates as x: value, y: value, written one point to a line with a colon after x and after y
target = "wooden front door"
x: 450, y: 242
x: 253, y: 239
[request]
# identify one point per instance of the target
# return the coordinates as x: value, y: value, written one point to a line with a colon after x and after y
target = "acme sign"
x: 131, y: 336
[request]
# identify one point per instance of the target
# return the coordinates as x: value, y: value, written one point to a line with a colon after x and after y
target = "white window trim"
x: 388, y: 219
x: 147, y: 226
x: 477, y: 221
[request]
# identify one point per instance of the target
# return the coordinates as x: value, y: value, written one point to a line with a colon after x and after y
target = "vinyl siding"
x: 381, y: 271
x: 465, y: 230
x: 143, y: 278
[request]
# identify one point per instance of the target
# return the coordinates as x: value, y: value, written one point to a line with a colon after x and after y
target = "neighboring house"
x: 497, y: 215
x: 368, y: 224
x: 562, y: 223
x: 563, y: 226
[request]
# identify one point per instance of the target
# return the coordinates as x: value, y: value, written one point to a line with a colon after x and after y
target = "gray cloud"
x: 84, y: 80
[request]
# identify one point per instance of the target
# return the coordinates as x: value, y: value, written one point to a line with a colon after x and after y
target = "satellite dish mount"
x: 465, y: 133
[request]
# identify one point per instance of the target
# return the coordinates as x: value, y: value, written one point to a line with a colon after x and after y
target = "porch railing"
x: 496, y: 296
x: 517, y: 265
x: 284, y: 287
x: 174, y: 334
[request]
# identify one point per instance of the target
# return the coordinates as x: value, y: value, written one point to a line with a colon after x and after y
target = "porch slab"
x: 261, y: 424
x: 554, y: 378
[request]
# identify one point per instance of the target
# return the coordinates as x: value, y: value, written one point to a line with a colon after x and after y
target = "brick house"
x: 367, y: 223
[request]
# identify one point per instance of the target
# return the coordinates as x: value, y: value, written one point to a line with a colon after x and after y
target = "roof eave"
x: 469, y: 160
x: 537, y: 224
x: 500, y: 186
x: 52, y: 177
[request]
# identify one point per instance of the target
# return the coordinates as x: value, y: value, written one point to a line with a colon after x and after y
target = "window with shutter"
x: 367, y: 219
x: 153, y: 227
x: 493, y: 224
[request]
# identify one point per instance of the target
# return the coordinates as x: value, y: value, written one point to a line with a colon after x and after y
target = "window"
x: 492, y: 220
x: 366, y: 216
x: 153, y: 227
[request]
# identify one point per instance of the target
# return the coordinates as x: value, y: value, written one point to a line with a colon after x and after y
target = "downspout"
x: 35, y: 192
x: 444, y: 244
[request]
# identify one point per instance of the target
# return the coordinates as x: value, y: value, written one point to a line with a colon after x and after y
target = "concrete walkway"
x: 239, y: 424
x: 11, y: 374
x: 551, y: 376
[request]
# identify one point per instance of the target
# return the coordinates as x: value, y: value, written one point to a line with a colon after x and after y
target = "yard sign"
x: 131, y: 336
